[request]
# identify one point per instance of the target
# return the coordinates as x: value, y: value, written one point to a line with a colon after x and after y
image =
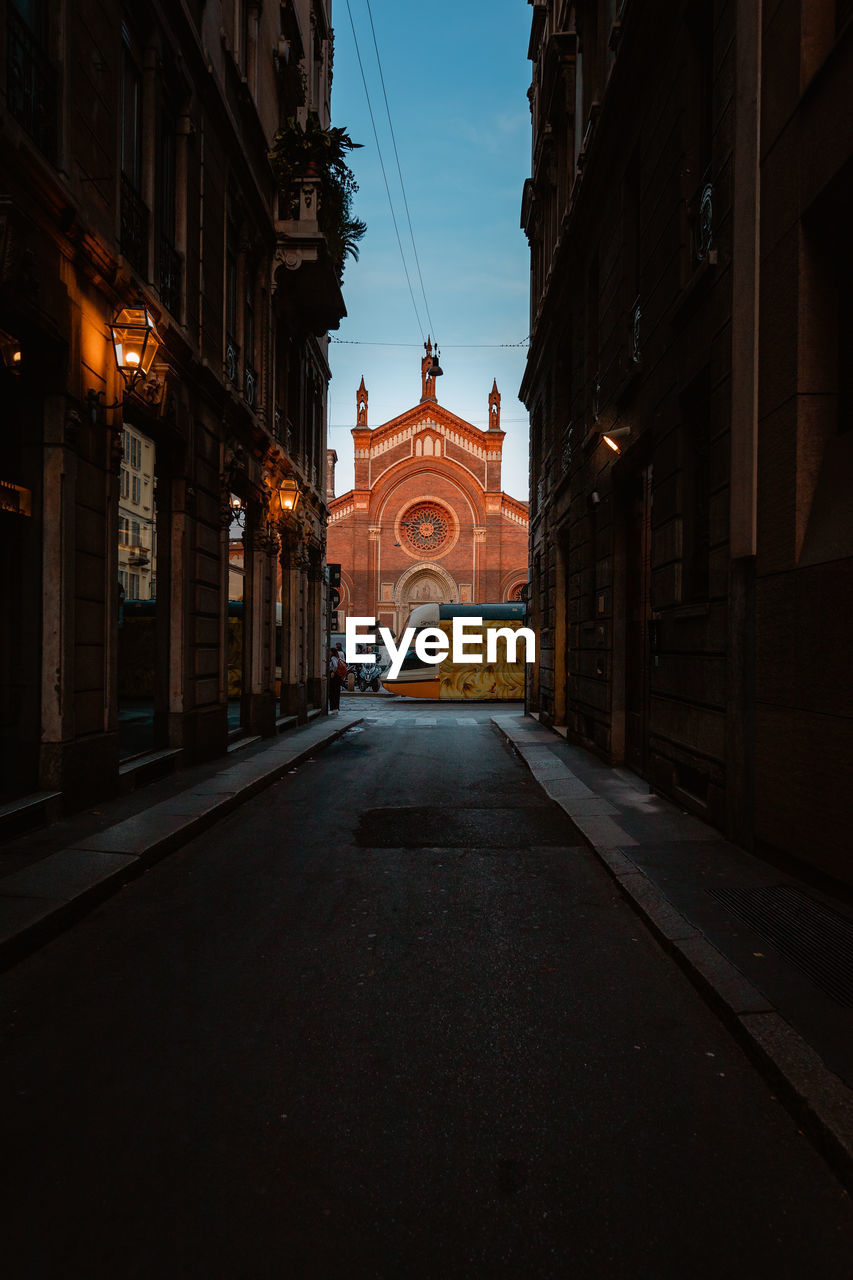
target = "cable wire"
x: 449, y: 346
x: 399, y: 170
x: 382, y: 167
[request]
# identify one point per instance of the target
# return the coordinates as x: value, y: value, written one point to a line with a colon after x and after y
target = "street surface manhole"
x: 815, y: 938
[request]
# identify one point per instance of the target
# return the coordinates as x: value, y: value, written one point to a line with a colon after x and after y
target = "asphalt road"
x: 391, y: 1019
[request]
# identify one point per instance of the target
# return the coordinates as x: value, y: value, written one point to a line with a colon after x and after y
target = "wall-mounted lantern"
x: 284, y: 499
x: 238, y: 509
x: 11, y: 355
x: 135, y: 342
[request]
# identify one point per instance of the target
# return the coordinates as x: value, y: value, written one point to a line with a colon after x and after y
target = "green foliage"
x: 296, y: 151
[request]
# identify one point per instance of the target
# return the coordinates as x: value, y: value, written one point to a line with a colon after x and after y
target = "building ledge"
x: 34, y: 810
x: 308, y: 292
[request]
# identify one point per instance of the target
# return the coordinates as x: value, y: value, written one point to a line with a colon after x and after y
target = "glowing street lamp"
x: 135, y: 343
x: 285, y: 498
x: 10, y: 354
x: 612, y: 438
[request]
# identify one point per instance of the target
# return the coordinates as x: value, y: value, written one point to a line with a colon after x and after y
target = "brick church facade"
x: 427, y: 519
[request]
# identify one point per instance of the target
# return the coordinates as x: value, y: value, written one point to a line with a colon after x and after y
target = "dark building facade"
x: 690, y: 409
x: 161, y: 545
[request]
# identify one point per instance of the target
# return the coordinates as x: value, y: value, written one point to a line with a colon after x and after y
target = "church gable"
x: 436, y: 422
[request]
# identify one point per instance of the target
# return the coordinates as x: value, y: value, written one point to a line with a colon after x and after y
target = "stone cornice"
x: 430, y: 414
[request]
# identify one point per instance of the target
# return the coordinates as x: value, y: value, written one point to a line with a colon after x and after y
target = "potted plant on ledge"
x: 310, y: 151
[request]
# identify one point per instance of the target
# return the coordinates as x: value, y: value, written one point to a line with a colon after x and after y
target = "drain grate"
x: 813, y: 937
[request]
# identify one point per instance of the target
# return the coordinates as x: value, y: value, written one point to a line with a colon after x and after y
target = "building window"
x: 30, y: 79
x: 700, y: 123
x: 125, y: 482
x: 134, y: 212
x: 427, y: 526
x: 250, y: 376
x: 316, y: 67
x: 696, y: 489
x: 170, y: 262
x: 232, y: 351
x: 136, y: 494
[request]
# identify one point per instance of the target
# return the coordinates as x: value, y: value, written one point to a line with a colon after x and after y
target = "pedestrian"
x: 338, y: 671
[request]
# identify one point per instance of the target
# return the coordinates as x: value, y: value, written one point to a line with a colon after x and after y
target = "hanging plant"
x: 310, y: 151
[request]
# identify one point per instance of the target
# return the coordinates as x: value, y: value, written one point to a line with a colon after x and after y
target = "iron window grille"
x: 250, y: 386
x: 171, y: 276
x: 636, y: 317
x: 702, y: 222
x: 134, y: 226
x: 232, y: 360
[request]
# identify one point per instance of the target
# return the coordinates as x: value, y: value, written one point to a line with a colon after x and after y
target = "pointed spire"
x: 494, y: 407
x: 361, y: 404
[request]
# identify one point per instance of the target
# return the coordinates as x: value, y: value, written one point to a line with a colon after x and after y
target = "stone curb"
x: 43, y: 900
x: 819, y: 1101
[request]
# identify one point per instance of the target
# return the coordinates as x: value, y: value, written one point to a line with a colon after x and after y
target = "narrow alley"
x: 410, y: 1032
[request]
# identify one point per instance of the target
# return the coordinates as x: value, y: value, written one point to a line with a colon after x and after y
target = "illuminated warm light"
x: 616, y: 434
x: 286, y: 496
x: 135, y: 342
x: 11, y: 356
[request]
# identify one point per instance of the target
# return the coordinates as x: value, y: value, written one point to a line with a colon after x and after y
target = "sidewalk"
x: 773, y: 954
x: 51, y: 877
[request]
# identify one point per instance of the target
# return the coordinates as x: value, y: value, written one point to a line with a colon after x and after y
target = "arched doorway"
x: 423, y: 584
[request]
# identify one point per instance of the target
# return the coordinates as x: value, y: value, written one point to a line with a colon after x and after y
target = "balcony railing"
x: 134, y: 227
x: 30, y: 84
x: 171, y: 276
x: 232, y: 360
x: 250, y: 385
x: 701, y: 213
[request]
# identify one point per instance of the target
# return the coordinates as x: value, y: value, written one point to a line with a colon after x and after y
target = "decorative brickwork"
x: 425, y: 522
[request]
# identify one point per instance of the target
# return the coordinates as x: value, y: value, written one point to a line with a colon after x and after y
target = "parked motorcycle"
x: 367, y: 676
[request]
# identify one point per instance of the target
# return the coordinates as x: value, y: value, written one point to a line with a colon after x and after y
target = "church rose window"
x: 427, y: 526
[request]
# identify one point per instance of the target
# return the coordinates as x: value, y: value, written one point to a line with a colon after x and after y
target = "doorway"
x: 236, y: 620
x: 637, y: 619
x: 20, y: 588
x: 137, y: 593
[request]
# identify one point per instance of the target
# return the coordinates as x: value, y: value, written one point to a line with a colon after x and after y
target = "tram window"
x: 412, y: 662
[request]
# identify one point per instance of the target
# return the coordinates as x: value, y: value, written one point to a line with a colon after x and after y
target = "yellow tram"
x: 500, y: 680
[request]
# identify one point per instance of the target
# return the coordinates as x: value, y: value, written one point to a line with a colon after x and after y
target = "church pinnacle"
x: 361, y: 404
x: 494, y: 407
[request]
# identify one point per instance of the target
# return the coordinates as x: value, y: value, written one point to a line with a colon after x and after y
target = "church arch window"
x: 428, y: 446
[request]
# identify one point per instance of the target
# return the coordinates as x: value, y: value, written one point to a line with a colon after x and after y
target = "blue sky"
x: 456, y: 76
